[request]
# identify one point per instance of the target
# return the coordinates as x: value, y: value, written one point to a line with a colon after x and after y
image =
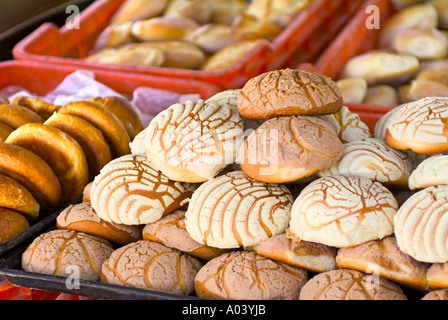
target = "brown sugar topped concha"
x: 289, y: 92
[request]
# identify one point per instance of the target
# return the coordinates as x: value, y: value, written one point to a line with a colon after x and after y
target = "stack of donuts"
x: 273, y: 191
x: 49, y: 153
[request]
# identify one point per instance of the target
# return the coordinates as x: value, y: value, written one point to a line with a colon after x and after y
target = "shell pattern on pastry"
x: 129, y: 190
x: 430, y: 172
x: 234, y: 210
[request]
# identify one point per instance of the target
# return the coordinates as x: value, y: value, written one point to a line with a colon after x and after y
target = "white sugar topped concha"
x: 194, y: 141
x: 430, y: 172
x: 233, y: 211
x: 342, y: 211
x: 128, y: 190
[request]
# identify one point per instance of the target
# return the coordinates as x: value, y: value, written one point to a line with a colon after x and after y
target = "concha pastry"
x: 420, y: 126
x: 149, y: 265
x: 194, y: 141
x: 374, y: 159
x: 430, y: 172
x: 345, y: 284
x: 128, y: 190
x: 421, y: 225
x: 343, y: 211
x: 233, y: 211
x: 245, y: 275
x: 440, y: 294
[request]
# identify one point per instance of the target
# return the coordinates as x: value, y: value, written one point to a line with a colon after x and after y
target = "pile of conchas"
x: 273, y: 191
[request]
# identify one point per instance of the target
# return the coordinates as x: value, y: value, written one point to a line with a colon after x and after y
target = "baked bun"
x: 250, y: 27
x: 385, y: 259
x: 226, y: 11
x: 382, y: 94
x: 348, y: 125
x: 81, y: 217
x: 133, y: 10
x: 213, y: 37
x: 113, y: 130
x: 163, y: 28
x: 64, y: 155
x: 420, y: 126
x: 372, y: 158
x: 442, y: 12
x: 245, y: 275
x: 353, y: 90
x: 154, y: 267
x: 94, y: 145
x: 441, y: 294
x: 134, y: 54
x: 430, y: 172
x: 16, y: 197
x: 420, y: 225
x: 431, y: 82
x: 194, y: 141
x: 198, y: 10
x: 437, y: 275
x: 12, y: 224
x: 289, y: 92
x: 16, y: 116
x: 124, y: 111
x: 5, y: 131
x: 58, y: 252
x: 380, y: 67
x: 128, y: 190
x: 289, y: 148
x: 171, y: 232
x: 113, y: 36
x: 383, y: 122
x: 345, y: 284
x: 424, y: 43
x: 311, y: 256
x: 342, y: 211
x: 233, y: 211
x: 41, y: 107
x: 33, y: 173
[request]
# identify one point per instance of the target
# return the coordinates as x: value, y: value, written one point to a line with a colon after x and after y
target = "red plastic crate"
x: 68, y: 46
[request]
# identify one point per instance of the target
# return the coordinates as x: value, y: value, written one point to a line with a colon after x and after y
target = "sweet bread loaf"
x: 289, y: 92
x: 311, y: 256
x: 385, y: 259
x: 430, y: 172
x: 233, y: 211
x: 62, y: 152
x: 12, y: 224
x: 59, y: 252
x: 245, y: 275
x: 16, y: 197
x: 42, y: 108
x: 194, y: 141
x: 170, y: 231
x: 163, y: 28
x: 289, y: 148
x: 437, y: 275
x: 82, y: 218
x: 32, y: 172
x: 92, y: 141
x: 420, y: 225
x: 153, y: 267
x: 15, y: 116
x: 345, y: 284
x: 128, y: 190
x: 133, y: 10
x: 342, y: 211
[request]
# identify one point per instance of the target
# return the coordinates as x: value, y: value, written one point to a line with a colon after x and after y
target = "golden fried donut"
x: 15, y: 115
x: 42, y: 108
x: 60, y: 151
x: 33, y: 172
x: 16, y: 197
x: 113, y: 130
x: 12, y: 224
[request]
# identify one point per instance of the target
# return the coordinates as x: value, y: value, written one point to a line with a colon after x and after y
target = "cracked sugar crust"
x: 245, y: 275
x: 149, y: 265
x: 289, y: 92
x: 439, y: 294
x: 430, y: 172
x: 345, y: 284
x: 57, y: 252
x: 343, y: 211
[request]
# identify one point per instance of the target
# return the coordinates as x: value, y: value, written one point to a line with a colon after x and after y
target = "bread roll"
x: 382, y: 94
x: 33, y: 173
x: 133, y: 10
x: 213, y: 37
x: 442, y: 12
x: 279, y: 12
x: 131, y: 54
x: 128, y: 190
x: 233, y: 211
x: 249, y: 27
x: 345, y: 284
x: 198, y: 10
x: 64, y: 155
x: 379, y: 67
x: 342, y: 211
x: 154, y: 267
x: 423, y: 43
x: 58, y: 252
x: 15, y: 115
x: 244, y: 275
x: 111, y: 127
x: 114, y: 36
x: 16, y: 197
x: 5, y: 131
x: 437, y: 275
x: 83, y: 218
x: 226, y: 11
x: 353, y: 90
x: 163, y: 28
x: 430, y: 172
x: 385, y: 259
x: 289, y: 92
x: 12, y: 224
x: 91, y: 140
x: 42, y: 108
x: 421, y: 225
x: 286, y: 149
x: 194, y: 141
